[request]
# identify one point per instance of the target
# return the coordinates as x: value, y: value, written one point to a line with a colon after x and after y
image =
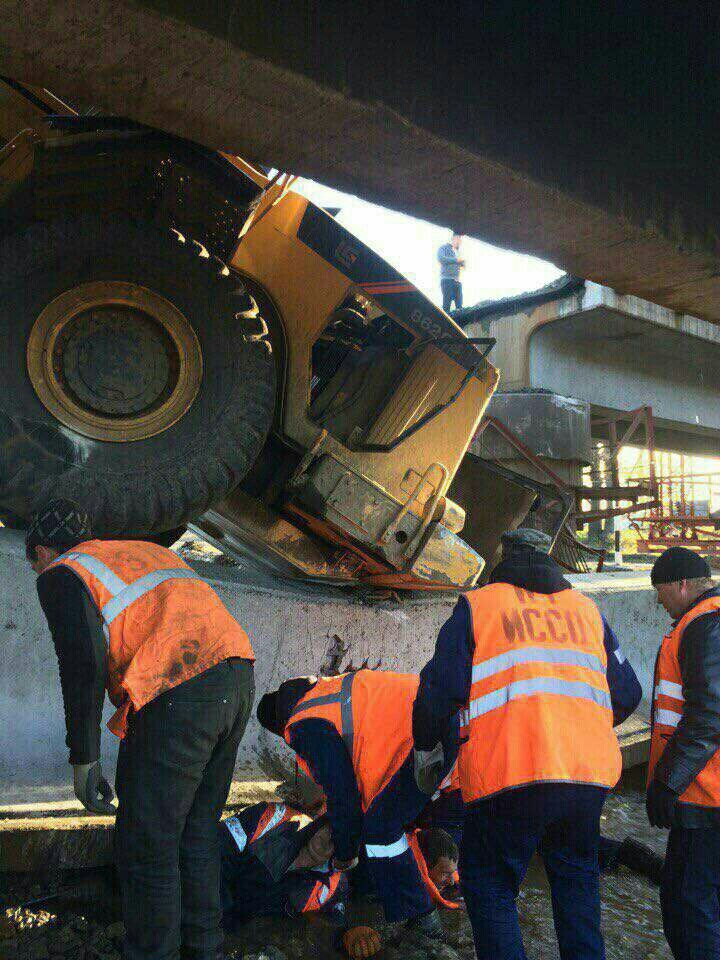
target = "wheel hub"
x: 114, y: 361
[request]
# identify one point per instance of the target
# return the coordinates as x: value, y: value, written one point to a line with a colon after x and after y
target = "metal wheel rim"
x: 143, y: 305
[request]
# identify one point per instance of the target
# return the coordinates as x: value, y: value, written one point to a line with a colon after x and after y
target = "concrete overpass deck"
x: 617, y: 352
x: 585, y: 135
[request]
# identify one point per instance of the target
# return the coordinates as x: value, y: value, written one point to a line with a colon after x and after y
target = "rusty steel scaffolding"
x: 612, y: 432
x: 683, y: 515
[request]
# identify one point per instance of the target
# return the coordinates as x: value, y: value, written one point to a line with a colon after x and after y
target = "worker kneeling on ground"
x: 353, y: 733
x: 684, y: 770
x: 133, y: 616
x: 542, y: 681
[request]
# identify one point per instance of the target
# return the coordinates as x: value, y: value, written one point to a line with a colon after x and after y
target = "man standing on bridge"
x: 684, y: 770
x: 542, y: 680
x: 450, y: 267
x: 134, y: 617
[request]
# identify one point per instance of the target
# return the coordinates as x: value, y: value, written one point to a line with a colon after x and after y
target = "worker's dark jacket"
x: 445, y: 681
x: 697, y: 735
x: 257, y: 879
x: 77, y: 633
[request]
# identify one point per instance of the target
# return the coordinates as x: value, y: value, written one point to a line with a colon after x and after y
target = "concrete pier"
x: 294, y: 631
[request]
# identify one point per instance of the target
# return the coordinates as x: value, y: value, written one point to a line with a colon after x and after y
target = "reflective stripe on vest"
x: 539, y: 708
x: 486, y: 669
x: 669, y: 689
x: 344, y: 699
x: 322, y: 892
x: 668, y: 706
x: 237, y: 832
x: 526, y: 688
x: 269, y: 821
x: 124, y: 594
x: 578, y: 658
x: 667, y: 718
x: 389, y: 850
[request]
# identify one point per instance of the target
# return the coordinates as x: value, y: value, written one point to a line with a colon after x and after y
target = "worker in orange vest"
x: 133, y: 617
x: 541, y: 681
x: 353, y: 735
x: 684, y: 769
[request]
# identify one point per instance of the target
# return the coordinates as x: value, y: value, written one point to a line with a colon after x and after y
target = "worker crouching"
x: 541, y: 681
x: 353, y: 736
x: 134, y: 617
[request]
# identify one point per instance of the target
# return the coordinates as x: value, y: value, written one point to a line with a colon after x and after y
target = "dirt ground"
x: 84, y: 923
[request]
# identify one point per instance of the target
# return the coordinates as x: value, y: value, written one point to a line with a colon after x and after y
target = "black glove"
x: 92, y: 789
x: 660, y: 805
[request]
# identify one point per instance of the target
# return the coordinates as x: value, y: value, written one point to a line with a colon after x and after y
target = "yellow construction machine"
x: 188, y: 341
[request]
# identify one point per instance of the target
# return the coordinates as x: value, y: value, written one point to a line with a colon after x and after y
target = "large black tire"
x: 148, y: 485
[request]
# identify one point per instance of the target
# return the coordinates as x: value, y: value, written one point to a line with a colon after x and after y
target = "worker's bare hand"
x: 92, y: 789
x: 361, y: 942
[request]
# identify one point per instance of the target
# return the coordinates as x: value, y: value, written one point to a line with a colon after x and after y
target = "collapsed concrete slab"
x: 295, y: 630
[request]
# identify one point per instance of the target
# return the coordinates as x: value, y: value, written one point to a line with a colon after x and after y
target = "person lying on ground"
x: 277, y: 861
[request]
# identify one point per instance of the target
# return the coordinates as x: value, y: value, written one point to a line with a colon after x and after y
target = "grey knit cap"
x: 525, y: 537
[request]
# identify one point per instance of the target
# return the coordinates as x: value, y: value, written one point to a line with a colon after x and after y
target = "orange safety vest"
x: 668, y: 703
x: 539, y: 708
x: 372, y: 712
x: 162, y: 623
x: 435, y: 895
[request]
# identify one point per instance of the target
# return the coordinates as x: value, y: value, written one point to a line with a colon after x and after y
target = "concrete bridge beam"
x: 587, y: 138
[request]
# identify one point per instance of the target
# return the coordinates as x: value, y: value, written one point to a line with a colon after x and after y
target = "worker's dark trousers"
x: 391, y: 865
x: 690, y: 893
x: 562, y: 822
x: 452, y: 293
x: 174, y: 771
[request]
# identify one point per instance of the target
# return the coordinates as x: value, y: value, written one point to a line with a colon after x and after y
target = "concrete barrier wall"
x: 293, y: 629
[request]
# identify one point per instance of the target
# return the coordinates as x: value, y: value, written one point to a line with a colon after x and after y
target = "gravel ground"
x: 87, y: 926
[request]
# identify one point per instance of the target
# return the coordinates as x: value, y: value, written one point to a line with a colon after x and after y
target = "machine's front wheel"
x: 137, y: 375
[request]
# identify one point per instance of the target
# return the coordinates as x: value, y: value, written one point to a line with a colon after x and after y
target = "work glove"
x: 429, y: 768
x: 660, y: 804
x: 342, y: 866
x: 92, y: 789
x: 361, y: 942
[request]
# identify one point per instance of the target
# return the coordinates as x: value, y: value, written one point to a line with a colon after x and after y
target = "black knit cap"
x: 679, y: 563
x: 274, y: 709
x: 61, y: 524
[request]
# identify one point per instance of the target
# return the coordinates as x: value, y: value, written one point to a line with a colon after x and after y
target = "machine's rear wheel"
x: 137, y: 375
